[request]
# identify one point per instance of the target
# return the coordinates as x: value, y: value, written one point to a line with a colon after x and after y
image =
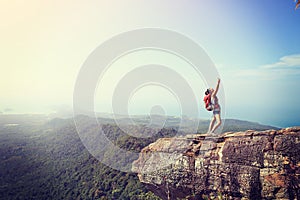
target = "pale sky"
x: 254, y: 44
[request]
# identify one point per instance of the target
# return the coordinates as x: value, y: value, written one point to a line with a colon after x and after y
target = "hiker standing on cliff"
x: 212, y: 104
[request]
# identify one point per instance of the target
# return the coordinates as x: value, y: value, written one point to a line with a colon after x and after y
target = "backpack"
x: 207, y: 101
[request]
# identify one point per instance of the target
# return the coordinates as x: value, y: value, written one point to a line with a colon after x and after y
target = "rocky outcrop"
x: 241, y: 165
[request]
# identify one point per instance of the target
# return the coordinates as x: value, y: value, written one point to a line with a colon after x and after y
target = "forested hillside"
x: 50, y: 162
x: 43, y: 159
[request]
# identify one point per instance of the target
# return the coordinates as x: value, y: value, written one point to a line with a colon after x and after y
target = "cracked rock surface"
x: 240, y: 165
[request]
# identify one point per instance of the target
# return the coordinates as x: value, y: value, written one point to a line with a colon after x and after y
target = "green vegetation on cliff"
x: 50, y: 162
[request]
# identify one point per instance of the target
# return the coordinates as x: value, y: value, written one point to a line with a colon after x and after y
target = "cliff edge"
x: 240, y: 165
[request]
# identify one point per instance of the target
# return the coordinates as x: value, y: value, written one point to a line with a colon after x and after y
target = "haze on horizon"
x: 254, y: 44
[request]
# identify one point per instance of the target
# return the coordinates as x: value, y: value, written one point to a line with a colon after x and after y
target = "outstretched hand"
x: 217, y: 88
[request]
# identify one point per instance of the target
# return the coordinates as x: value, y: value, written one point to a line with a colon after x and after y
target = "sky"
x: 254, y: 45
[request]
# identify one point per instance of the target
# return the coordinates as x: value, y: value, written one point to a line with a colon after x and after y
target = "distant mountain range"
x: 186, y: 124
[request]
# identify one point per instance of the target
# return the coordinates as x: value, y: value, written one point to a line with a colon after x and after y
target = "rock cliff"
x: 240, y: 165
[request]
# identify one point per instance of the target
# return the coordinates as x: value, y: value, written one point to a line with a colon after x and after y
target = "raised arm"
x: 217, y: 88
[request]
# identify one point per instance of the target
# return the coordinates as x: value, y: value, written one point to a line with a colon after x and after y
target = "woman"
x: 216, y: 109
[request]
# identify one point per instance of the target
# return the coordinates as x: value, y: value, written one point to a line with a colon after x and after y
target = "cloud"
x: 291, y: 61
x: 287, y: 66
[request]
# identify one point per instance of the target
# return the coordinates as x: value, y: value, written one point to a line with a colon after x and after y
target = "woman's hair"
x: 207, y: 92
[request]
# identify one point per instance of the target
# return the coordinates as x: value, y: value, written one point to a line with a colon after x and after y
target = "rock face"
x: 242, y: 165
